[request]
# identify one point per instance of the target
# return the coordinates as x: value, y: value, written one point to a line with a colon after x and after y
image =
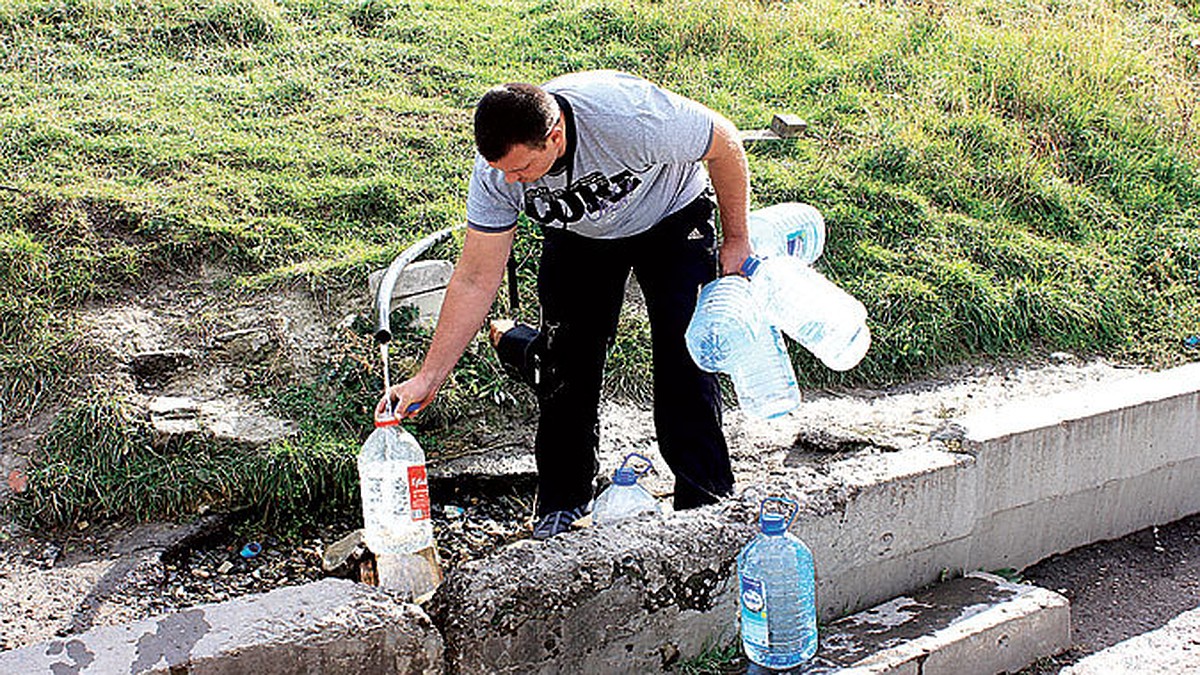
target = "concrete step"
x: 994, y: 625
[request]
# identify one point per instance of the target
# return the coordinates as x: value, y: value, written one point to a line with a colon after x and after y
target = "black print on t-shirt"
x: 591, y: 195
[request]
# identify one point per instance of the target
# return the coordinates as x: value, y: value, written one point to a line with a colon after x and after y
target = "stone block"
x: 978, y: 624
x: 330, y: 626
x: 417, y: 278
x: 787, y: 125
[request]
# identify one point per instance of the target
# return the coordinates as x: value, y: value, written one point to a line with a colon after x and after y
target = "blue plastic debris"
x: 1192, y: 341
x: 252, y: 549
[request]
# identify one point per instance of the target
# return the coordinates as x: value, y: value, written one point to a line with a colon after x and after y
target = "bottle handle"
x: 391, y: 411
x: 645, y: 470
x: 792, y: 508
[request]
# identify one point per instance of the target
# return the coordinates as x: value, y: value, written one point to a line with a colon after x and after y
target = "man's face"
x: 527, y: 163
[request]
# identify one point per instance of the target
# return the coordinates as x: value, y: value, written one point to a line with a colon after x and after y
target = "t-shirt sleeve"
x: 675, y: 129
x: 490, y: 208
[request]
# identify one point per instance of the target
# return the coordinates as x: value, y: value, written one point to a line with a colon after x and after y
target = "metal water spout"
x: 383, y: 297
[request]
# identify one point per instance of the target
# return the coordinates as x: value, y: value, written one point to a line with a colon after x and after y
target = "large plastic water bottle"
x: 725, y: 320
x: 791, y: 229
x: 727, y: 334
x: 765, y: 381
x: 778, y: 604
x: 395, y: 491
x: 812, y: 310
x: 625, y: 498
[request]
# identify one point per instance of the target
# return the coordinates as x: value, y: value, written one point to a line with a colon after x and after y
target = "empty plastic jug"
x: 725, y: 319
x: 791, y: 229
x: 777, y: 580
x: 727, y: 334
x: 765, y: 380
x: 812, y: 310
x: 625, y: 498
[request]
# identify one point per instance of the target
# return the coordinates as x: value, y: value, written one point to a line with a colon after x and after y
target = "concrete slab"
x: 994, y: 625
x: 1174, y: 648
x: 422, y: 284
x: 330, y: 626
x: 880, y: 521
x: 418, y: 277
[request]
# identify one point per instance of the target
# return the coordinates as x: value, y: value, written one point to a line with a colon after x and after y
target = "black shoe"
x: 557, y: 522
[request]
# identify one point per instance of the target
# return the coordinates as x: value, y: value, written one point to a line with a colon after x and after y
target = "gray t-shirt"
x: 633, y: 152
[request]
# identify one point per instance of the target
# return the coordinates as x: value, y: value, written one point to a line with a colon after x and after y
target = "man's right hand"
x: 407, y: 398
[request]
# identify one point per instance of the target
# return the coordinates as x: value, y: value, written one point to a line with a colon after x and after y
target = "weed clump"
x: 100, y: 463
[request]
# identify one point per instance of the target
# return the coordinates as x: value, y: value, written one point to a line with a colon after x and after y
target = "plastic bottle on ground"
x: 788, y: 229
x: 800, y: 301
x: 777, y: 580
x: 396, y: 510
x: 727, y: 334
x: 625, y: 498
x: 395, y: 491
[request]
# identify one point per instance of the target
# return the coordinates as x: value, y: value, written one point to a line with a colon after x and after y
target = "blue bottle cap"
x: 773, y: 523
x: 624, y: 476
x: 750, y: 265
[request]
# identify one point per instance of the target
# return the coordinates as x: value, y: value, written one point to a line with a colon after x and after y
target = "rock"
x: 239, y: 421
x: 153, y: 368
x: 249, y: 345
x: 343, y: 554
x: 234, y: 420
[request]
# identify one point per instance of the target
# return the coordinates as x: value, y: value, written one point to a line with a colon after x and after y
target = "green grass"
x: 101, y: 463
x: 1000, y: 177
x: 714, y: 660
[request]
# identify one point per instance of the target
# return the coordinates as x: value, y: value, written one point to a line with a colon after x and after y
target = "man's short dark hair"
x: 512, y: 114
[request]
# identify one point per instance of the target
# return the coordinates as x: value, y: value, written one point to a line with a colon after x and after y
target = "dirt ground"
x: 1122, y: 588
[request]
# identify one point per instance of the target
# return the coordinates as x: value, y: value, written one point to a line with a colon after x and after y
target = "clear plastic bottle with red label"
x: 395, y: 491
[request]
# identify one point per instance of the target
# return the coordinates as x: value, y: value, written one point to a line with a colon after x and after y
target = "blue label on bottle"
x: 795, y: 244
x: 754, y: 612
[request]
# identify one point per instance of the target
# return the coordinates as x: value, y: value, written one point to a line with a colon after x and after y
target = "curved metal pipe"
x: 383, y: 297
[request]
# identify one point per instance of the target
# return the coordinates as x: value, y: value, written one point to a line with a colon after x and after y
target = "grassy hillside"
x: 1000, y: 176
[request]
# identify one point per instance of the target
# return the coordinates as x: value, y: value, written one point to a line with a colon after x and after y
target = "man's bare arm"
x: 469, y: 296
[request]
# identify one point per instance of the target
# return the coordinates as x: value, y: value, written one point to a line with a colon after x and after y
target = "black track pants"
x: 581, y: 285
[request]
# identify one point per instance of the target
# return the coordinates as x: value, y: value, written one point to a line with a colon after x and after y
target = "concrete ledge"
x: 1014, y: 485
x: 628, y: 597
x: 982, y: 620
x: 330, y: 626
x: 1174, y: 648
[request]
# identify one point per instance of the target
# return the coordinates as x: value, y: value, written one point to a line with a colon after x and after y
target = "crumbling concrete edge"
x: 328, y: 626
x: 1011, y: 490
